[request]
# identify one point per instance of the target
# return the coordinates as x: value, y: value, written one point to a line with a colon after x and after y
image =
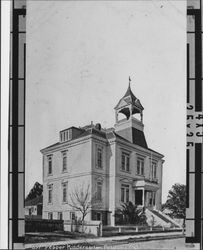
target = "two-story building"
x: 116, y: 163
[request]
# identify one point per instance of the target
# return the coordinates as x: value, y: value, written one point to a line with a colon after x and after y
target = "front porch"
x: 145, y: 193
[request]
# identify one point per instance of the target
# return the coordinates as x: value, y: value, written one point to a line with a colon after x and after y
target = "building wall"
x: 78, y: 175
x: 33, y: 210
x: 82, y: 170
x: 124, y: 177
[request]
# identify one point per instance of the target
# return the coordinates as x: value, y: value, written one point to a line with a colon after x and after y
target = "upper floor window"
x: 49, y: 158
x: 64, y: 160
x: 125, y: 161
x: 154, y: 170
x: 125, y: 193
x: 50, y: 193
x: 99, y: 190
x: 140, y: 166
x: 99, y: 157
x: 64, y: 192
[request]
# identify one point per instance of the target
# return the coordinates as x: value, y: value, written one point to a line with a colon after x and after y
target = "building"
x: 117, y: 164
x: 33, y: 208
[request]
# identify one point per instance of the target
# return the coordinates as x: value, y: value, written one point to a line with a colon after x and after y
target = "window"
x: 64, y: 192
x: 50, y: 191
x: 72, y: 215
x: 125, y: 161
x: 99, y: 190
x: 60, y: 216
x: 154, y: 170
x: 50, y: 216
x: 124, y: 193
x: 140, y: 166
x: 30, y: 211
x: 64, y: 159
x: 49, y: 158
x: 99, y: 157
x: 152, y: 198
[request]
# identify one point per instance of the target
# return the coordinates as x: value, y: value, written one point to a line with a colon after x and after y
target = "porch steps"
x: 162, y: 219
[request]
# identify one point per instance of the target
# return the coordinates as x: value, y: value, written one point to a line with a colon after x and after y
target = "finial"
x: 129, y: 80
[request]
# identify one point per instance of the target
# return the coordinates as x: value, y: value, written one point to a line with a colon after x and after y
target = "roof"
x: 36, y: 201
x: 85, y: 133
x: 138, y: 137
x: 129, y: 98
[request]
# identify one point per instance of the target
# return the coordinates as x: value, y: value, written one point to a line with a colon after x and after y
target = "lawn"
x: 54, y: 236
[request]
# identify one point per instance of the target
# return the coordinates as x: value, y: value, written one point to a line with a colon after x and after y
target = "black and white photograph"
x: 104, y: 97
x: 105, y: 130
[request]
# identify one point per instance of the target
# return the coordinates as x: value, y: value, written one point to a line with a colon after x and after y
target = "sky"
x: 80, y: 55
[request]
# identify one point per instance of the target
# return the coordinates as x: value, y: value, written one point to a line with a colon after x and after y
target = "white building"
x: 117, y: 164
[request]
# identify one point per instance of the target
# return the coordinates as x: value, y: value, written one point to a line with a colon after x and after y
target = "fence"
x: 89, y: 227
x: 126, y: 230
x: 43, y: 225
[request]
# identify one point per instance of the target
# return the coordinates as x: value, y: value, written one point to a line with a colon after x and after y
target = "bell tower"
x: 131, y: 126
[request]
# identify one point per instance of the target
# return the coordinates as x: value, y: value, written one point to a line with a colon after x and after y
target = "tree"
x: 132, y: 214
x: 82, y: 201
x: 36, y: 191
x: 176, y: 201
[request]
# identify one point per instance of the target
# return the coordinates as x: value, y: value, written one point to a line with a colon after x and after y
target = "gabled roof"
x: 36, y: 201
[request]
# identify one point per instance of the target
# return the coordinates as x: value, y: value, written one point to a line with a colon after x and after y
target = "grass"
x: 41, y: 237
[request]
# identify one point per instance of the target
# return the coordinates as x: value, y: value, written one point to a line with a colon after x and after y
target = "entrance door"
x: 138, y: 197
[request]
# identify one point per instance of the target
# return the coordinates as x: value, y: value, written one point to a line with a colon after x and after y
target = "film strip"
x: 194, y: 151
x: 17, y: 126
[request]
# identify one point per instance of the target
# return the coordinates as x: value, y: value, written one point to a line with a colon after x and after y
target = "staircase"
x: 157, y: 218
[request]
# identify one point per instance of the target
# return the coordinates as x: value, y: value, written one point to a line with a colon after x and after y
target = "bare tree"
x: 82, y: 200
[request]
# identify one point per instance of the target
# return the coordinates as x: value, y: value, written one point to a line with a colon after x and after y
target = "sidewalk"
x: 109, y: 240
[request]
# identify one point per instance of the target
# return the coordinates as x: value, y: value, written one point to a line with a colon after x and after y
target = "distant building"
x: 117, y: 163
x: 33, y: 208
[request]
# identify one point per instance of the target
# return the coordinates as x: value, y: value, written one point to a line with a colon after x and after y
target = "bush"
x: 130, y: 214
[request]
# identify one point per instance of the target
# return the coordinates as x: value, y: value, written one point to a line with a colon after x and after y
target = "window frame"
x: 72, y: 215
x: 153, y: 170
x: 125, y: 161
x: 125, y: 193
x: 50, y: 160
x: 99, y: 157
x: 65, y: 187
x: 64, y: 155
x: 50, y: 214
x: 50, y: 190
x: 60, y: 215
x: 99, y: 184
x: 141, y: 166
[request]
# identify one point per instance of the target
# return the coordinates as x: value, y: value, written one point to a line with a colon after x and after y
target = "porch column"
x: 143, y: 201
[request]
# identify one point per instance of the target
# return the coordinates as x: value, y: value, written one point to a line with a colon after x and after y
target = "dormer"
x: 69, y: 134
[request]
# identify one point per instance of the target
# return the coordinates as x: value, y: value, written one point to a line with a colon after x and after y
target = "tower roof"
x: 130, y: 99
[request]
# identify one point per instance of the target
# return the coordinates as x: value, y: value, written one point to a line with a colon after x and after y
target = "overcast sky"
x: 79, y: 57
